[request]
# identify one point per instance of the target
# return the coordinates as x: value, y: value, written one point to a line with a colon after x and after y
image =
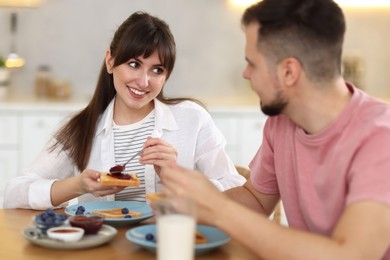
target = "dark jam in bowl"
x: 90, y: 224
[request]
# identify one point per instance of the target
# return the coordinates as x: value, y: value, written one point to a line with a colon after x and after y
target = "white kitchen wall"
x: 368, y: 38
x: 72, y: 35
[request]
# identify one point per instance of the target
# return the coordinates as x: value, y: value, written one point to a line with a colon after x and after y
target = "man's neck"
x: 319, y: 106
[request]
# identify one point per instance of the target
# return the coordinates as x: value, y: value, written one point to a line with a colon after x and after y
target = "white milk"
x: 175, y: 237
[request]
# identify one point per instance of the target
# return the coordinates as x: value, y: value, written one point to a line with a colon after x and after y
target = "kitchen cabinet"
x: 8, y: 148
x: 26, y: 125
x: 8, y: 166
x: 36, y: 129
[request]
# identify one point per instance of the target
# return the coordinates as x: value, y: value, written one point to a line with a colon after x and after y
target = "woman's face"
x: 137, y: 82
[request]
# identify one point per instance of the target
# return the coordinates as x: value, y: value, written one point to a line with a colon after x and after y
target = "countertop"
x: 31, y: 102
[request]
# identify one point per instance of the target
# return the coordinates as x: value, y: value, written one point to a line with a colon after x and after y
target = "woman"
x: 127, y: 112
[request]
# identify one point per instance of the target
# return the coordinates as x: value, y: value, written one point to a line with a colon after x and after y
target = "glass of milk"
x: 175, y: 231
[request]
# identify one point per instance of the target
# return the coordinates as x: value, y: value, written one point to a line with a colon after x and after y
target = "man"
x: 325, y: 149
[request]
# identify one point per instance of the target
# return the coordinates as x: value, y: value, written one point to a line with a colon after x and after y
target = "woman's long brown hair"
x: 140, y: 34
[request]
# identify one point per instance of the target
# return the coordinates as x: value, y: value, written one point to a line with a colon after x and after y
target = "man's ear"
x: 109, y: 61
x: 289, y: 71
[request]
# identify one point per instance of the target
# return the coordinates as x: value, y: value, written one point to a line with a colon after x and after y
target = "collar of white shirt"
x: 165, y: 119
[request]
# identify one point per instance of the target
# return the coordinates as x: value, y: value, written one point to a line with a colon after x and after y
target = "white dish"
x: 105, y: 234
x: 66, y: 234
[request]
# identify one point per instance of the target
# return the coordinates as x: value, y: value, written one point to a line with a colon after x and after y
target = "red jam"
x: 121, y: 176
x: 65, y: 231
x: 118, y: 169
x: 90, y: 224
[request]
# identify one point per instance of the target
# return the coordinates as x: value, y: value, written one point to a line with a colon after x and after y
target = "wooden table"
x: 14, y: 246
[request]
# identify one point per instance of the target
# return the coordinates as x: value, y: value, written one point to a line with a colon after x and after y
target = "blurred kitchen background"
x: 70, y: 38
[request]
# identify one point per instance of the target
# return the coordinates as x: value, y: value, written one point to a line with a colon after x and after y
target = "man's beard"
x: 276, y: 107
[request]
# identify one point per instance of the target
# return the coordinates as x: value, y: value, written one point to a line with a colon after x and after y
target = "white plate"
x: 144, y: 208
x: 105, y: 234
x: 215, y: 237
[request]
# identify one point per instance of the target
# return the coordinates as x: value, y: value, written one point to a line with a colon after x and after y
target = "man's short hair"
x: 312, y: 31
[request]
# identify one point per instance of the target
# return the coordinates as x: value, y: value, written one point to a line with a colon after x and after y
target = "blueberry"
x: 63, y: 217
x: 49, y: 221
x: 57, y: 222
x: 149, y: 237
x: 80, y: 209
x: 39, y: 219
x: 45, y: 215
x: 125, y: 210
x: 128, y: 216
x: 50, y: 212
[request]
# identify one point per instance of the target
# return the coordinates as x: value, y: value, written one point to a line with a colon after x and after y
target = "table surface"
x: 14, y: 246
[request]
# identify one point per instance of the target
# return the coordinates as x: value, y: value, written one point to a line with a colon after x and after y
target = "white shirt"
x: 187, y: 126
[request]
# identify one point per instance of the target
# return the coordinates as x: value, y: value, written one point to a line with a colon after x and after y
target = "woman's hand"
x: 89, y: 183
x: 159, y: 153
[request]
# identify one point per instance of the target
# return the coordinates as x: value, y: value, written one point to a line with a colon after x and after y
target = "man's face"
x: 263, y: 77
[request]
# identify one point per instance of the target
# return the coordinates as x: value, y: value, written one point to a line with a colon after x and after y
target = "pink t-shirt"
x: 318, y: 175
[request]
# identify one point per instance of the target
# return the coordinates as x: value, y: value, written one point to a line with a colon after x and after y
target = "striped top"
x: 128, y: 140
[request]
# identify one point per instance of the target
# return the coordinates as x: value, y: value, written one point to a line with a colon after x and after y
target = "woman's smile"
x: 137, y: 93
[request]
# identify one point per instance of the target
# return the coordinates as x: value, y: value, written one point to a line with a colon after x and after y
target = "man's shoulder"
x: 373, y: 110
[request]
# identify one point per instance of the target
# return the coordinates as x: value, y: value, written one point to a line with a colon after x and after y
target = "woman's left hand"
x: 159, y: 153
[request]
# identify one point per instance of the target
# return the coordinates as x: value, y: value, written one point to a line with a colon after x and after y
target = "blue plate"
x: 214, y: 236
x: 144, y: 208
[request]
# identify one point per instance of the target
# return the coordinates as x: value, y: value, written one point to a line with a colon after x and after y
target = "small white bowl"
x: 66, y: 234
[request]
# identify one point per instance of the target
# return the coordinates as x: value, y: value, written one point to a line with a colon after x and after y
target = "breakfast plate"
x: 215, y: 238
x: 105, y: 234
x: 90, y: 206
